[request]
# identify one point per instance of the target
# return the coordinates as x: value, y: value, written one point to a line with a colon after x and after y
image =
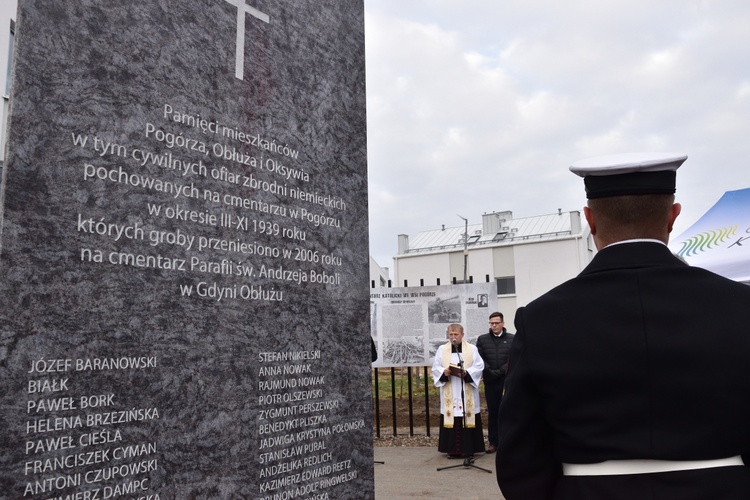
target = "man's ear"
x: 676, y: 209
x: 590, y: 219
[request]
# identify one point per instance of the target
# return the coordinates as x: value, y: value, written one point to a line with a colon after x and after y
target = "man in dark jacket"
x: 494, y: 347
x: 630, y: 381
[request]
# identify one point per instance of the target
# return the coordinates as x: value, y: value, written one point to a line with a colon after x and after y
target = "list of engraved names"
x: 297, y: 421
x: 75, y: 447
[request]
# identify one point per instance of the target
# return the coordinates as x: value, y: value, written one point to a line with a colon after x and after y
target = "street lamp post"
x: 466, y: 248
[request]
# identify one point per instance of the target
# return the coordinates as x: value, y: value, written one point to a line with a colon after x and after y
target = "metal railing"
x: 411, y: 398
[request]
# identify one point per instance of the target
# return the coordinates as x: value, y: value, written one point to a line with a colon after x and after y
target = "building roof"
x: 511, y: 231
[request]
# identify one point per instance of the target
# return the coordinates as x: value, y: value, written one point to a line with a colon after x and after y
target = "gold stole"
x: 468, y: 356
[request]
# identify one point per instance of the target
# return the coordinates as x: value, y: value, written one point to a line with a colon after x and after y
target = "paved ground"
x: 411, y: 472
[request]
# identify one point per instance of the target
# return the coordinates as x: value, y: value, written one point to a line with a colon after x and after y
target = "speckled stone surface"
x: 184, y: 271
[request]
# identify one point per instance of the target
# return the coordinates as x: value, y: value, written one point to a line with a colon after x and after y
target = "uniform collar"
x: 641, y: 240
x: 633, y: 255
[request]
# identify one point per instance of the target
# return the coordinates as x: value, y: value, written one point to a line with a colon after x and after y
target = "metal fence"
x: 397, y: 416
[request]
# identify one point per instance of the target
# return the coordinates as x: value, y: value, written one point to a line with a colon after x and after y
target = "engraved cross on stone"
x: 242, y: 9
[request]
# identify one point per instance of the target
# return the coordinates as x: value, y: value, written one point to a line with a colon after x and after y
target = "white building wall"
x: 444, y: 266
x: 481, y: 263
x: 7, y: 15
x: 378, y: 275
x: 537, y: 268
x: 504, y: 262
x: 507, y: 305
x: 542, y: 266
x: 429, y: 267
x: 457, y: 266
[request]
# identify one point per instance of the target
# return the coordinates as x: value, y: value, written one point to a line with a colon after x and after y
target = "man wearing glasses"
x: 494, y: 347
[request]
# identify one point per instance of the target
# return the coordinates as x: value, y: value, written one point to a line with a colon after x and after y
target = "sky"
x: 475, y: 106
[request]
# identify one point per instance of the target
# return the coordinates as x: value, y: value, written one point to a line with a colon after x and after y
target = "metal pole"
x: 466, y: 248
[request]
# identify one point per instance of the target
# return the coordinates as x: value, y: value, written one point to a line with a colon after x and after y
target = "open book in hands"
x: 456, y: 371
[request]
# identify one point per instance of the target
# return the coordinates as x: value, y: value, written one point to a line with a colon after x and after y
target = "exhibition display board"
x: 410, y: 323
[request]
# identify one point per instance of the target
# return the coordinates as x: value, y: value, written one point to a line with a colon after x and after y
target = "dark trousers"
x: 493, y: 394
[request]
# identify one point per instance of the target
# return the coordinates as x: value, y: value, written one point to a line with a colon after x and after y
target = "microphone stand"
x: 468, y: 461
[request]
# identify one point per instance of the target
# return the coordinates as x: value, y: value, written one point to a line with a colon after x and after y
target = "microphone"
x: 454, y: 341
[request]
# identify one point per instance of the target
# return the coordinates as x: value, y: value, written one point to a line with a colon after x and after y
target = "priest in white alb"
x: 457, y: 371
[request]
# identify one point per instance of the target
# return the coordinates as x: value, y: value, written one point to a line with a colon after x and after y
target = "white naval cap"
x: 630, y: 173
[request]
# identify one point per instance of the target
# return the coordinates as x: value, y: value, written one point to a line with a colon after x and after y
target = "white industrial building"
x: 7, y: 34
x: 526, y: 257
x: 379, y: 276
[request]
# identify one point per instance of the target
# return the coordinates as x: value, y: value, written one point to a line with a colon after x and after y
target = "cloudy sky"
x: 481, y: 105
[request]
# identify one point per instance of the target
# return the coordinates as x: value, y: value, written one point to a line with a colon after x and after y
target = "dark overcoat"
x: 639, y: 357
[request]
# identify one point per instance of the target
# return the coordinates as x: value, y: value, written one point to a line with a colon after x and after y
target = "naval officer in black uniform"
x: 632, y: 380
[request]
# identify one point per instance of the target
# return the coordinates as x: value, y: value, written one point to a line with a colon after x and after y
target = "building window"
x: 506, y: 286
